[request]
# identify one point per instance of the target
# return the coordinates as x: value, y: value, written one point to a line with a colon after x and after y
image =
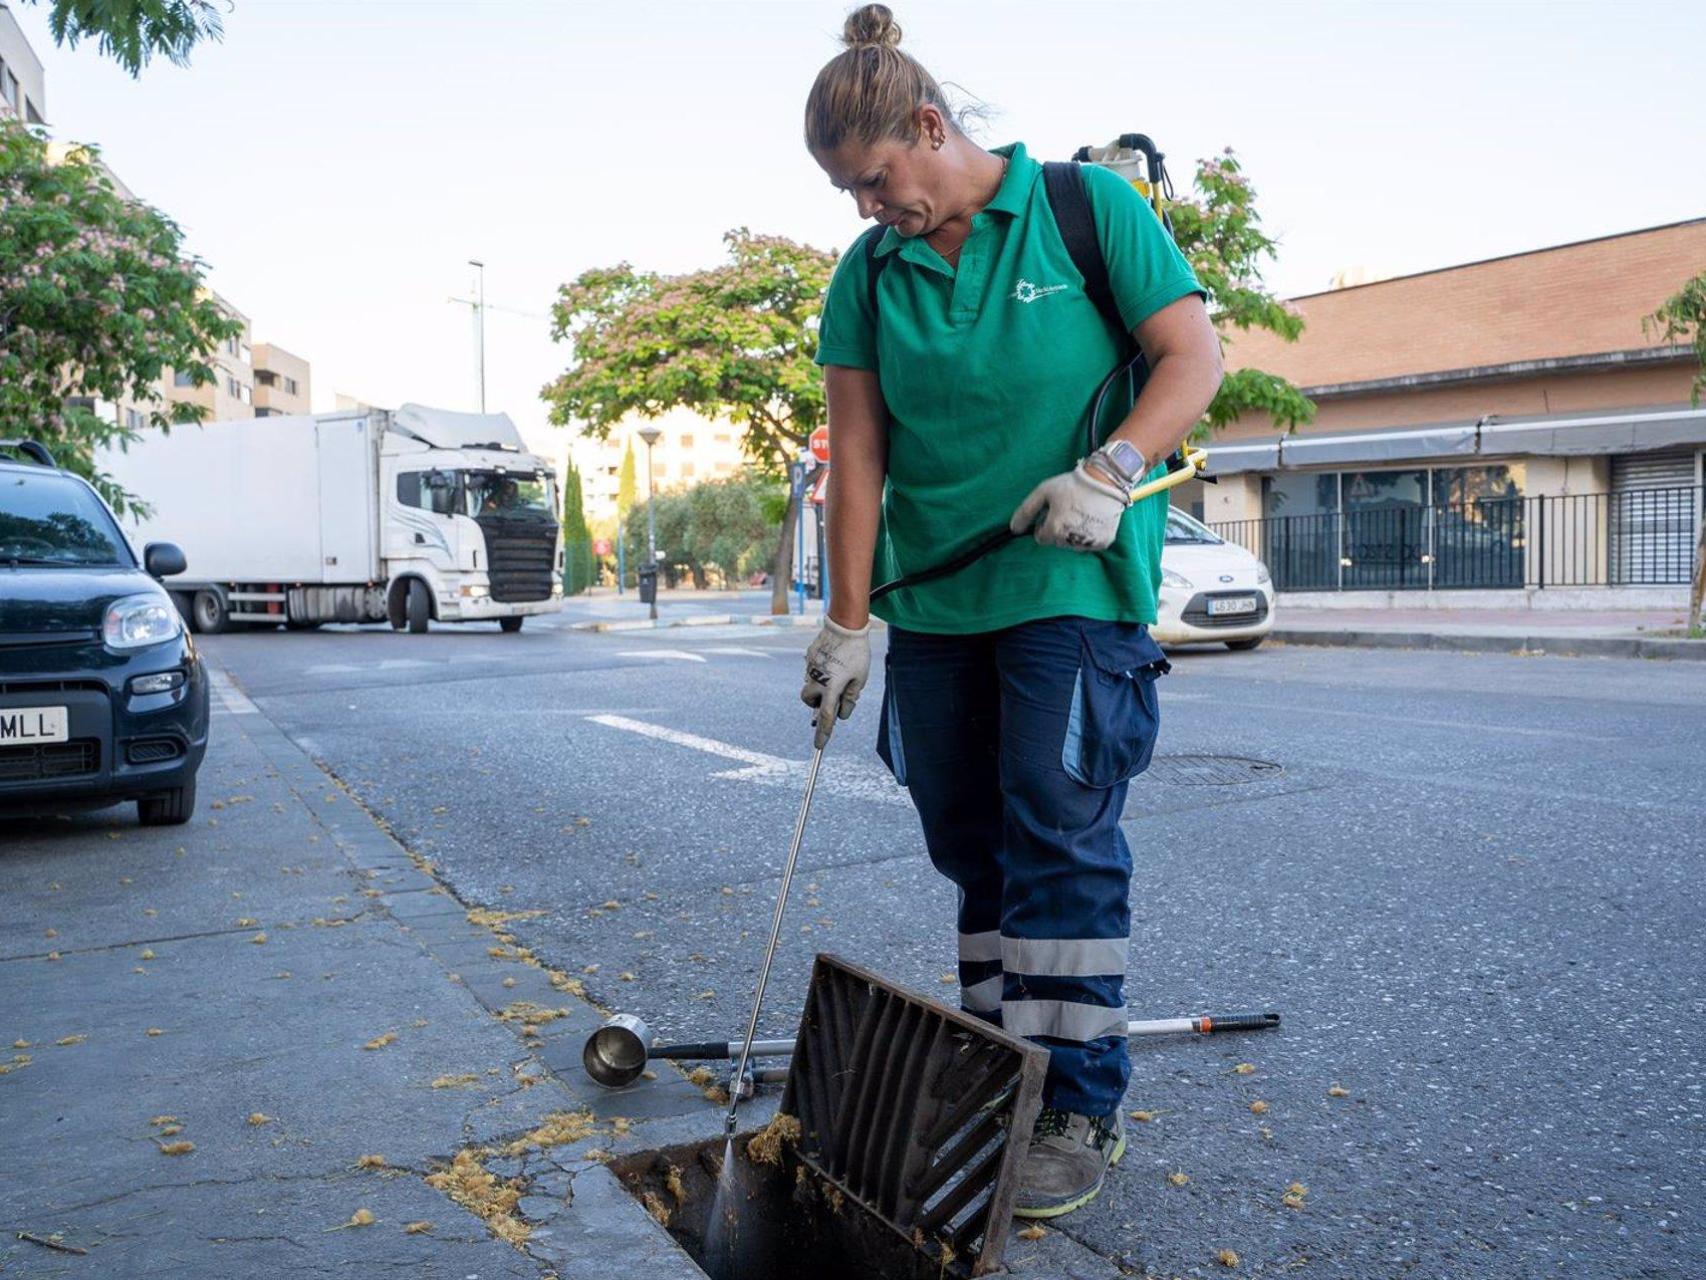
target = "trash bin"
x: 648, y: 584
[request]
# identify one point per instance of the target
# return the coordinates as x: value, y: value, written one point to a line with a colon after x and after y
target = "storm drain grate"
x: 919, y: 1113
x: 1210, y: 771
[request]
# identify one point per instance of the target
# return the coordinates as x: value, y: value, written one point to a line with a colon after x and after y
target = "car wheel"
x: 1244, y: 646
x: 510, y: 624
x: 419, y: 608
x: 209, y: 614
x: 167, y: 808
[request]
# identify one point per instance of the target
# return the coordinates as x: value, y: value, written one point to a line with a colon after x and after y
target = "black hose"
x: 1136, y: 370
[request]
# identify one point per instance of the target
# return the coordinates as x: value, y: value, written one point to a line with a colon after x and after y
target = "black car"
x: 103, y: 697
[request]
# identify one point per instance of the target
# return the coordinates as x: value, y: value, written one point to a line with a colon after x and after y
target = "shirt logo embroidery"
x: 1025, y: 291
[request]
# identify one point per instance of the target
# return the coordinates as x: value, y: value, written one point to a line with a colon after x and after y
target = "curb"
x: 1558, y: 645
x: 704, y: 620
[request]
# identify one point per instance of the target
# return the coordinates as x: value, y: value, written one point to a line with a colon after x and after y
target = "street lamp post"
x: 480, y: 329
x: 650, y: 433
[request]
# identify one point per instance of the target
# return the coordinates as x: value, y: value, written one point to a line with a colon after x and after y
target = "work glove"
x: 1078, y: 511
x: 838, y: 662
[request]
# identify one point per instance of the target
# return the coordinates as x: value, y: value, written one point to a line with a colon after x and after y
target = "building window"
x: 290, y: 386
x: 135, y: 419
x: 231, y: 346
x: 265, y: 377
x: 662, y: 469
x: 686, y: 442
x: 687, y: 471
x: 31, y: 114
x: 182, y: 378
x: 8, y: 87
x: 244, y: 394
x: 245, y: 353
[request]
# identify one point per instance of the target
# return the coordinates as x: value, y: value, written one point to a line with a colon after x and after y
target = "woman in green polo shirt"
x: 1019, y: 699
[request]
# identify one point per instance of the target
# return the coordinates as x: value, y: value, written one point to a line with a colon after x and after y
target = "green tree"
x: 1681, y: 318
x: 1219, y: 230
x: 626, y: 487
x: 577, y: 537
x: 96, y: 300
x: 727, y: 525
x: 733, y: 341
x: 131, y: 32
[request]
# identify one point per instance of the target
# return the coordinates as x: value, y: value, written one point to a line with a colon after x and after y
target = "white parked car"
x: 1211, y: 590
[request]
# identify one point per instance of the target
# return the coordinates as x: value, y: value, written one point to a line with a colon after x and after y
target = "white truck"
x: 367, y: 515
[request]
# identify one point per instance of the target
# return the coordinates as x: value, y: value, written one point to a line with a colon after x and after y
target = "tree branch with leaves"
x: 735, y: 341
x: 97, y: 300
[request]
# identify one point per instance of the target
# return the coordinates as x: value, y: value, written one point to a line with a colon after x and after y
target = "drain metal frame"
x: 918, y: 1113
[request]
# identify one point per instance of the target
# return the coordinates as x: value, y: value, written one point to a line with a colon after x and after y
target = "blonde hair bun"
x: 871, y: 24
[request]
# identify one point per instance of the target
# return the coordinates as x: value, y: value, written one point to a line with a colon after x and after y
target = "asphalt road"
x: 1473, y: 885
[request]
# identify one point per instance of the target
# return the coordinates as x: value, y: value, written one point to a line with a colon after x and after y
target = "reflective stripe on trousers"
x: 1017, y: 747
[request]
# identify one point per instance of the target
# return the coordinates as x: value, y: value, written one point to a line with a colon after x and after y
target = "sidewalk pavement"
x: 1635, y: 633
x: 272, y: 1043
x: 232, y: 1038
x: 602, y: 609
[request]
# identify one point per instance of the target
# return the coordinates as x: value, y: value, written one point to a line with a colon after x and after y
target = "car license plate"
x: 25, y: 726
x: 1231, y: 604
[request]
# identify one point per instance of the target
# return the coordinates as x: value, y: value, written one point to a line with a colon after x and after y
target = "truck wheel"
x: 209, y: 614
x: 167, y: 808
x: 419, y: 607
x: 510, y: 624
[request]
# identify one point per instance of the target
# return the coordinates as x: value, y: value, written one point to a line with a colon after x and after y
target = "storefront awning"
x: 1579, y: 434
x: 1242, y: 455
x: 1413, y: 444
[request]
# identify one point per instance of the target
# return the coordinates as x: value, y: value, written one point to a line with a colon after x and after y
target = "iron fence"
x: 1639, y: 537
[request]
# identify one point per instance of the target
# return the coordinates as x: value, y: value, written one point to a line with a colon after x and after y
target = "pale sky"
x: 337, y: 161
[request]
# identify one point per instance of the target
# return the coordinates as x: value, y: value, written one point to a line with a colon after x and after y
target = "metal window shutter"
x: 1653, y: 507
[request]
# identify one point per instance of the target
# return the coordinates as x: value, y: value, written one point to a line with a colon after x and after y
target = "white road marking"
x: 233, y: 699
x: 740, y: 652
x: 856, y: 780
x: 673, y: 655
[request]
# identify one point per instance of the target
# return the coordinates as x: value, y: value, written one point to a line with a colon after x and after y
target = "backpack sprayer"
x: 618, y: 1051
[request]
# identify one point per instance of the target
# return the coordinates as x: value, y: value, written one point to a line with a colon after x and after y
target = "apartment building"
x: 231, y: 394
x: 692, y: 448
x: 1499, y: 424
x: 281, y: 381
x: 23, y: 89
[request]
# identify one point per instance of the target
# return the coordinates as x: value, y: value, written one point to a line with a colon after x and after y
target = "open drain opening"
x: 781, y: 1220
x: 906, y: 1122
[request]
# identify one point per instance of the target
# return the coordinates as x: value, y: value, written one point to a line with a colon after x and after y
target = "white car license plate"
x: 1231, y: 604
x: 24, y: 726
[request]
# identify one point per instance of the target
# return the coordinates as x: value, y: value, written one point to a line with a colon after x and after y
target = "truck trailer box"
x: 277, y: 499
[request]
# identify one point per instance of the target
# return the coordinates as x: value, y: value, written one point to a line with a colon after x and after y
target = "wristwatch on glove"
x: 1123, y: 463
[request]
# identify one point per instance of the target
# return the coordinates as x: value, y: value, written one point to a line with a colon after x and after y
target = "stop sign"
x: 818, y: 442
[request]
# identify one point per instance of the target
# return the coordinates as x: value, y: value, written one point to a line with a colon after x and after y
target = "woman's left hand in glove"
x: 1078, y: 511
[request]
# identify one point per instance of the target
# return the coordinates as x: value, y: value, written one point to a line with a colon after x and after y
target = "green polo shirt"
x: 988, y: 371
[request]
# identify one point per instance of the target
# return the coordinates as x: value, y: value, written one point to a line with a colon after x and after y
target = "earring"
x: 936, y: 143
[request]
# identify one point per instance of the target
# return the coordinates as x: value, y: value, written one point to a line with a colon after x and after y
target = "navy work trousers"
x: 1017, y: 746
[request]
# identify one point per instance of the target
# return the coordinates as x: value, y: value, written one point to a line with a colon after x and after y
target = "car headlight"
x: 135, y: 621
x: 1262, y: 575
x: 1171, y: 579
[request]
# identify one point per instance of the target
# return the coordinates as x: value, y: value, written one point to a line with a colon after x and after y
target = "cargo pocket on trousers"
x: 890, y: 746
x: 1115, y: 714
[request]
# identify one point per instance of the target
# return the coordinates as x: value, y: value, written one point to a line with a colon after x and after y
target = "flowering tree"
x: 1682, y: 318
x: 96, y: 301
x: 1218, y: 229
x: 733, y: 341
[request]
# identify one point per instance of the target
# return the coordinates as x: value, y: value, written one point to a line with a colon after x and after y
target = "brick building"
x: 1500, y: 424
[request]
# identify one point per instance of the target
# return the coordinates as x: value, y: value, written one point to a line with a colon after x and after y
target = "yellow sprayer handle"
x: 1195, y: 461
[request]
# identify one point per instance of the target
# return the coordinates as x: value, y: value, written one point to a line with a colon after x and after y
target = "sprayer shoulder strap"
x: 1070, y: 200
x: 1063, y: 181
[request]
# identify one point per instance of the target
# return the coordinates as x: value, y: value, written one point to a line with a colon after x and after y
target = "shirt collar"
x: 1009, y: 198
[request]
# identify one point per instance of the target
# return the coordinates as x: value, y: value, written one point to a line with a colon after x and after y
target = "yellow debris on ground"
x: 765, y: 1147
x: 483, y: 1194
x: 370, y: 1162
x: 379, y: 1042
x: 656, y: 1207
x: 558, y: 1129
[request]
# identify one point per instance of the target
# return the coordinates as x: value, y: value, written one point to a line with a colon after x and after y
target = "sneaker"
x: 1070, y: 1155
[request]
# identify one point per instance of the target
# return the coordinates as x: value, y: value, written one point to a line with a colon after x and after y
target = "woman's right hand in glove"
x: 838, y: 662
